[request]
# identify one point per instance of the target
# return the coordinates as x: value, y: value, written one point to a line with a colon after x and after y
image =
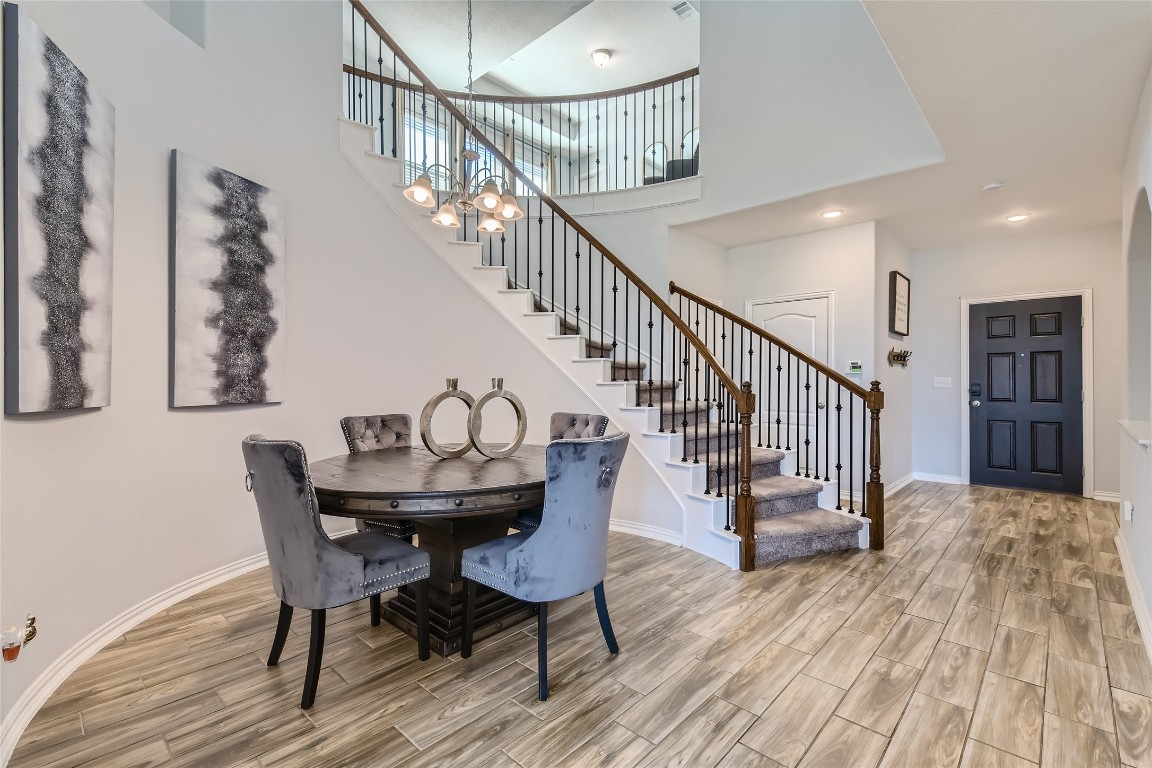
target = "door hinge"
x: 1081, y: 395
x: 1081, y: 321
x: 1083, y: 472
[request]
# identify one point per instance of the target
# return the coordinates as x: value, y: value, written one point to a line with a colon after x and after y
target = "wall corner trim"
x: 647, y: 531
x: 929, y: 477
x: 59, y: 670
x: 1139, y: 601
x: 891, y: 488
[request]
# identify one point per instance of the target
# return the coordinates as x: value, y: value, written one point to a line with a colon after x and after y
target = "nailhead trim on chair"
x: 406, y: 570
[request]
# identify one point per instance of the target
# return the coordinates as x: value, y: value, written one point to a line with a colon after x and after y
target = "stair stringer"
x: 701, y: 517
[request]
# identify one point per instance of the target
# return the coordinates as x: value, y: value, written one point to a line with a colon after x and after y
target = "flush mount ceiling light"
x: 601, y: 57
x: 475, y: 188
x: 992, y: 186
x: 833, y: 214
x: 1016, y: 217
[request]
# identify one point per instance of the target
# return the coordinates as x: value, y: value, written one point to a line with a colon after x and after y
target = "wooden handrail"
x: 744, y: 402
x: 834, y: 375
x: 487, y: 97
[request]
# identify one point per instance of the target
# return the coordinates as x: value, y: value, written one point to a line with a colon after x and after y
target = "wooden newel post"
x: 875, y: 487
x: 745, y: 504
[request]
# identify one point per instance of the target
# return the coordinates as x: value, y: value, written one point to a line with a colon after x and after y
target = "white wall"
x: 1136, y: 467
x: 699, y: 266
x: 1084, y: 258
x: 841, y: 260
x: 896, y: 381
x: 104, y: 509
x: 819, y: 99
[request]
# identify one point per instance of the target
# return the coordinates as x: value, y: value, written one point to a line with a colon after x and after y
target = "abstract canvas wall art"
x: 59, y: 159
x: 227, y: 287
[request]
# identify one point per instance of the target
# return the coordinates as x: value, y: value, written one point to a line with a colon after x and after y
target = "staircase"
x: 790, y: 520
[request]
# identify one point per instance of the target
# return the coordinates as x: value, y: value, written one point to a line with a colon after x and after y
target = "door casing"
x: 1085, y: 295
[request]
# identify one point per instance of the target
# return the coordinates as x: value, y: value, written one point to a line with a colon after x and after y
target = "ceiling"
x: 539, y: 48
x: 1041, y: 95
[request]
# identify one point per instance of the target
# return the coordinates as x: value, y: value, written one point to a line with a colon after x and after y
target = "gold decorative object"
x: 474, y: 422
x: 898, y: 358
x: 29, y: 628
x: 451, y: 392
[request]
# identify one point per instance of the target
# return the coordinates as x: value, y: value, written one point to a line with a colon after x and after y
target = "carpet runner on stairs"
x: 789, y: 521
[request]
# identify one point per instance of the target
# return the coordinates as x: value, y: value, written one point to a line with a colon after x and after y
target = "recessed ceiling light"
x: 601, y: 56
x: 992, y: 186
x: 1017, y: 217
x: 833, y: 214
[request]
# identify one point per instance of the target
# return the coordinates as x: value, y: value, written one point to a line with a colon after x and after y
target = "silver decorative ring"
x: 475, y: 420
x: 426, y: 421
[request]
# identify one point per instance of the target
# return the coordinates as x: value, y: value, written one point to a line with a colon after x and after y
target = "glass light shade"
x: 489, y: 197
x: 421, y: 192
x: 489, y: 223
x: 509, y: 207
x: 446, y: 216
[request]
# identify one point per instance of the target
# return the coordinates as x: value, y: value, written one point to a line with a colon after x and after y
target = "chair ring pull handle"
x: 605, y: 478
x: 248, y: 477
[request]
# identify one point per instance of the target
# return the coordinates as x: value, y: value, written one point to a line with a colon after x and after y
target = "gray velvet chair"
x: 374, y: 433
x: 312, y: 571
x: 562, y: 426
x: 568, y: 554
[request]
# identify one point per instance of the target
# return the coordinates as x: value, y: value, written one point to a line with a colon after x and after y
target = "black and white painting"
x: 59, y: 148
x: 227, y: 286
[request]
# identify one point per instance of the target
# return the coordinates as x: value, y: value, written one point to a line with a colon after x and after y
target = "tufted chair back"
x: 567, y: 426
x: 368, y: 433
x: 568, y: 553
x: 308, y: 569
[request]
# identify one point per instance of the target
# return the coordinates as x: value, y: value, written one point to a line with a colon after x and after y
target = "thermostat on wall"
x: 855, y: 366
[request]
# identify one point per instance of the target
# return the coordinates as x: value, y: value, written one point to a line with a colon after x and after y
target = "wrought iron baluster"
x: 851, y: 463
x: 807, y: 417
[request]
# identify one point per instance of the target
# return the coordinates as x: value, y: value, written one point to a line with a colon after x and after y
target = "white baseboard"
x: 1139, y: 604
x: 647, y: 531
x: 891, y: 488
x: 58, y: 671
x: 928, y: 477
x: 1107, y: 496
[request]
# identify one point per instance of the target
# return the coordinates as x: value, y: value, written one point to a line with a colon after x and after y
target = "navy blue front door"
x: 1025, y: 394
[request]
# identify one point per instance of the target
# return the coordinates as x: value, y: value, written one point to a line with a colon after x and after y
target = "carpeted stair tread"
x: 808, y: 523
x: 783, y: 486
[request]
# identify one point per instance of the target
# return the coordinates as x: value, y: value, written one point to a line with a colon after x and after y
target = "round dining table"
x: 454, y: 504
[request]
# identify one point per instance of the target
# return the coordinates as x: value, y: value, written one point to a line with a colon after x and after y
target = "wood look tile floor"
x: 996, y: 630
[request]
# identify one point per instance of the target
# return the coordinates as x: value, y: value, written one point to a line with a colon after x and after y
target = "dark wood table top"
x: 412, y: 482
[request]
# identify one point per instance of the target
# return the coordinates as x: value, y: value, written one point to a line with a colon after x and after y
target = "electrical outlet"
x: 942, y: 382
x: 1127, y: 510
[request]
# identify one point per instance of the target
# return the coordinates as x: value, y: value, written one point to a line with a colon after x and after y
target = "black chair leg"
x: 469, y: 618
x: 422, y: 643
x: 315, y: 657
x: 542, y: 648
x: 374, y: 601
x: 282, y: 625
x: 605, y: 622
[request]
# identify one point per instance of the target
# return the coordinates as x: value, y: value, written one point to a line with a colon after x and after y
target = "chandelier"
x: 477, y: 188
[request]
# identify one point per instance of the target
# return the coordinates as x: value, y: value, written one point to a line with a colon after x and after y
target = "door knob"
x: 975, y: 403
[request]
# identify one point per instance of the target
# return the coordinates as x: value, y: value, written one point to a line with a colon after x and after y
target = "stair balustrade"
x: 830, y: 421
x: 673, y: 363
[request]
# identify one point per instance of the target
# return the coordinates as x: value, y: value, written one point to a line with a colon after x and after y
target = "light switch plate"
x: 942, y: 382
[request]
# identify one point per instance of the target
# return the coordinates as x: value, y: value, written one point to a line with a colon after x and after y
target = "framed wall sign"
x: 899, y: 294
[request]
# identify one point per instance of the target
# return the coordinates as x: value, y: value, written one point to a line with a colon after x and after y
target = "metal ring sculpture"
x: 475, y: 420
x: 426, y: 421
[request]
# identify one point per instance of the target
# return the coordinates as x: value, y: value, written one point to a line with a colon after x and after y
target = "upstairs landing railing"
x: 580, y: 143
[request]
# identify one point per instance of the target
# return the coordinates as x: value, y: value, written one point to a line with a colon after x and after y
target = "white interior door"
x: 803, y: 323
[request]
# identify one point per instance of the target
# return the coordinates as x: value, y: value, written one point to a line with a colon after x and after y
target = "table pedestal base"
x: 445, y: 539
